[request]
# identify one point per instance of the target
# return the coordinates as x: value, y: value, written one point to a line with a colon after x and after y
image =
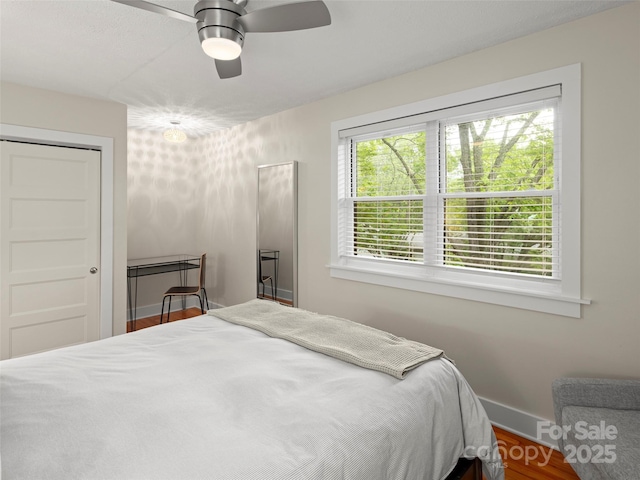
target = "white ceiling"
x: 155, y: 65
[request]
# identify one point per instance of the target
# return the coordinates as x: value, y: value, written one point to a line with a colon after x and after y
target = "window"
x: 386, y: 202
x: 496, y: 197
x: 466, y: 195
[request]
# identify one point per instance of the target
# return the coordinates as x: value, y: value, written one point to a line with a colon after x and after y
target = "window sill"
x: 510, y: 297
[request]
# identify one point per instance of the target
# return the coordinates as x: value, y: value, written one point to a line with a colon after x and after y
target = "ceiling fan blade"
x: 229, y: 68
x: 152, y: 7
x: 283, y: 18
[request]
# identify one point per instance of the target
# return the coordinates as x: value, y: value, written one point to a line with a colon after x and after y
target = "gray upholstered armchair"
x: 601, y: 426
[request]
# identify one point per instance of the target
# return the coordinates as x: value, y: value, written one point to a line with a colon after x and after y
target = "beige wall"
x: 37, y: 108
x: 161, y: 195
x: 508, y: 355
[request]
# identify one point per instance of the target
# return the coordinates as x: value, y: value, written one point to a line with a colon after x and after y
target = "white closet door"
x: 49, y: 247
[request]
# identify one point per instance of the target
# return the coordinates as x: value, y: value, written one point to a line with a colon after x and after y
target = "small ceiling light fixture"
x: 174, y: 135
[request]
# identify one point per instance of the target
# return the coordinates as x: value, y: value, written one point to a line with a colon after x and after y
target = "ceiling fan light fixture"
x: 222, y: 24
x: 221, y: 48
x: 174, y: 134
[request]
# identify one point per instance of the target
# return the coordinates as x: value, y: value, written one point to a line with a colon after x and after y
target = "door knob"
x: 93, y: 270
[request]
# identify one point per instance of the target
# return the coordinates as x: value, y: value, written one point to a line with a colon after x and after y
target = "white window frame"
x: 561, y: 296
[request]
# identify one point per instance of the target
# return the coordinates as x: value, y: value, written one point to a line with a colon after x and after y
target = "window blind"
x: 385, y: 205
x: 498, y: 197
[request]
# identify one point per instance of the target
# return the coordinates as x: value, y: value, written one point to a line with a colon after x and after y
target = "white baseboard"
x: 516, y: 421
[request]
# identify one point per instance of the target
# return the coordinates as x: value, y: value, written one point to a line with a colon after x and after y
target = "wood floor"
x: 155, y: 320
x: 523, y: 458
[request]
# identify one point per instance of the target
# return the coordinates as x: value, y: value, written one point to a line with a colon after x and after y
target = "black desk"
x: 142, y: 267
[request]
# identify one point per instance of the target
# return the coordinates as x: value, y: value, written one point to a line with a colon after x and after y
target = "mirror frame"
x: 294, y: 185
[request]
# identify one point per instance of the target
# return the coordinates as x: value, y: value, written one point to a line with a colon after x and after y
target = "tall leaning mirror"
x: 277, y: 232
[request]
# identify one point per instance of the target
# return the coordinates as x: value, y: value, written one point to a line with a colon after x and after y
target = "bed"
x: 207, y: 398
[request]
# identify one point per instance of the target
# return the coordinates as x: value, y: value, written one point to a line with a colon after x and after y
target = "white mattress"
x: 207, y: 399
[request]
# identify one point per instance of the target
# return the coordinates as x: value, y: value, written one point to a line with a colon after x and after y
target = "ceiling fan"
x: 222, y: 25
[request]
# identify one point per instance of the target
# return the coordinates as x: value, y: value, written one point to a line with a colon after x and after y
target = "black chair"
x: 268, y: 255
x: 186, y: 291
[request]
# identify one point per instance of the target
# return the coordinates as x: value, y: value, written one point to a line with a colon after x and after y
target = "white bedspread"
x: 207, y: 399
